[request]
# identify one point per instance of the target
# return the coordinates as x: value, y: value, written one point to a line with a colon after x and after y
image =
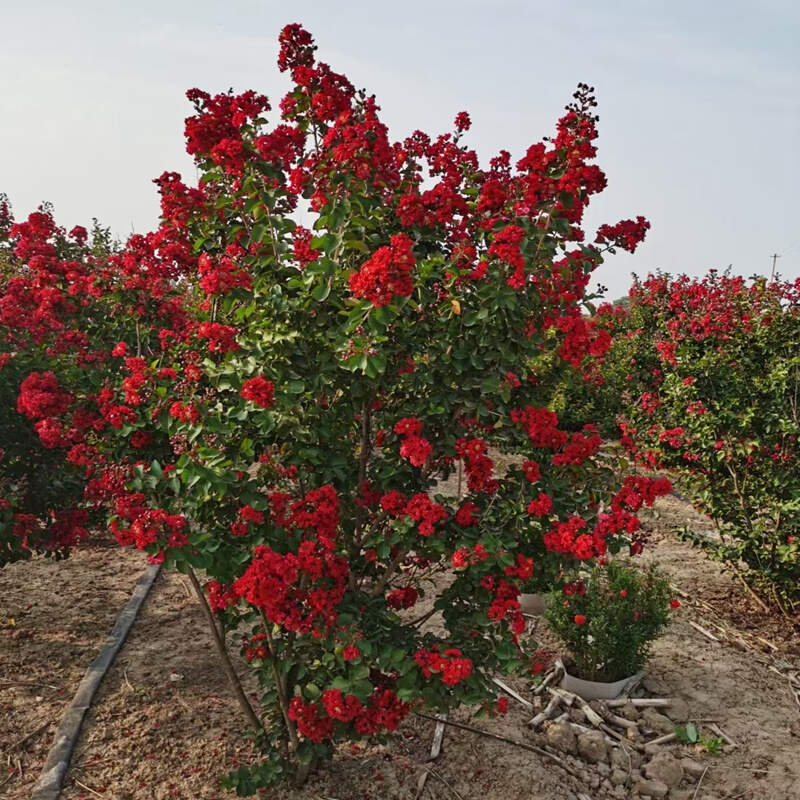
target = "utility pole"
x: 775, y: 257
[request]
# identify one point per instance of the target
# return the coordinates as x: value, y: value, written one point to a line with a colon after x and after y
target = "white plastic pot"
x: 532, y: 604
x: 592, y: 690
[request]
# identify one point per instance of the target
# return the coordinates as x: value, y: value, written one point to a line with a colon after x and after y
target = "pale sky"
x: 699, y: 102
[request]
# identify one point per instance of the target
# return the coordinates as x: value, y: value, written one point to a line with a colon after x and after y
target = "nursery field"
x: 355, y: 457
x: 164, y: 723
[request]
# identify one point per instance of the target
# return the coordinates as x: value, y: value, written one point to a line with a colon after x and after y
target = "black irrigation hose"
x: 48, y: 787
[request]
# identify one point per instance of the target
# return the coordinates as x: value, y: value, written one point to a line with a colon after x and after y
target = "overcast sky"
x: 699, y: 102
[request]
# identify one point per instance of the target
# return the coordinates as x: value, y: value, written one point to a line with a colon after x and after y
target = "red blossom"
x: 259, y: 391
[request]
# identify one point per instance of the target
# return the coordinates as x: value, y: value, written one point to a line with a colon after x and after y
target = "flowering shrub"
x: 602, y: 392
x: 68, y: 304
x: 722, y: 412
x: 609, y: 616
x: 44, y: 290
x: 284, y: 415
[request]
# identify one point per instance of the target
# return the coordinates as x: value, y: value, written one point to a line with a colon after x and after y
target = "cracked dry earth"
x: 164, y: 723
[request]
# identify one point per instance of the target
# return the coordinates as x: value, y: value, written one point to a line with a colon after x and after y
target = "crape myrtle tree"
x: 288, y: 438
x: 65, y: 300
x: 721, y: 411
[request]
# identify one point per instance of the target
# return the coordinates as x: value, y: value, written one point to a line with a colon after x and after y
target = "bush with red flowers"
x: 73, y: 310
x: 287, y: 430
x: 721, y: 411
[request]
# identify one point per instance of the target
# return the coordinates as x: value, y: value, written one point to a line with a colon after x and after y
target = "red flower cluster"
x: 506, y: 247
x: 638, y: 491
x: 405, y: 597
x: 414, y: 447
x: 627, y: 234
x: 532, y: 471
x: 151, y: 527
x: 541, y: 425
x: 578, y: 450
x: 259, y: 391
x: 304, y: 253
x: 505, y: 605
x: 222, y: 276
x: 464, y: 557
x: 220, y: 596
x: 221, y: 338
x: 467, y: 515
x: 299, y: 591
x: 450, y: 665
x: 386, y: 274
x: 478, y: 466
x: 383, y: 710
x: 541, y: 506
x: 184, y: 412
x: 40, y: 396
x: 425, y: 512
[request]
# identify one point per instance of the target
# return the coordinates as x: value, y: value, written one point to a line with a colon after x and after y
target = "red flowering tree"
x: 65, y: 300
x: 721, y: 411
x: 41, y: 493
x: 290, y: 435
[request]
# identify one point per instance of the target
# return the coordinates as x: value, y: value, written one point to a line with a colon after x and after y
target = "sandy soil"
x: 165, y: 725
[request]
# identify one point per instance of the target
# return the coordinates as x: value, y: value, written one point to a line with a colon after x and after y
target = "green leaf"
x: 321, y: 292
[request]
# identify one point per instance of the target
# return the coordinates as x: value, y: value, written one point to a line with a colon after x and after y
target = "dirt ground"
x: 164, y: 723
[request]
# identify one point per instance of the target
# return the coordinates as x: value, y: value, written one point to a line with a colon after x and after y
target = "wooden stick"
x: 567, y: 697
x: 87, y: 788
x: 25, y: 738
x: 667, y: 737
x: 594, y: 718
x: 436, y: 748
x: 7, y: 682
x: 438, y: 737
x: 621, y: 722
x: 722, y: 734
x: 524, y: 745
x: 621, y: 738
x: 641, y: 702
x: 509, y: 691
x: 440, y: 778
x: 423, y: 779
x: 699, y: 783
x: 548, y: 679
x: 551, y: 708
x: 702, y: 630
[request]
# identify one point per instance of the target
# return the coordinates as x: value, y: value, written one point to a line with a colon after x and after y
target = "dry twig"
x: 667, y: 737
x: 26, y: 738
x: 524, y: 745
x: 549, y: 711
x: 702, y: 630
x: 643, y: 702
x: 699, y: 783
x: 721, y: 733
x: 88, y: 788
x: 440, y: 778
x: 509, y: 691
x: 8, y: 682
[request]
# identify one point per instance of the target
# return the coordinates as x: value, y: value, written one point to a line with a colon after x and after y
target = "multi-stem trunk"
x: 219, y: 643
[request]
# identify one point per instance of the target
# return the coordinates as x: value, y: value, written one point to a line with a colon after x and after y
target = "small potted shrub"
x: 608, y: 617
